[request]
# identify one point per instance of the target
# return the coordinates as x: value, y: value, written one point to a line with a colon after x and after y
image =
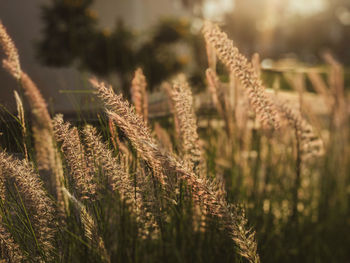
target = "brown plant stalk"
x: 163, y: 137
x: 166, y: 86
x: 132, y: 124
x: 47, y: 157
x: 75, y: 156
x: 21, y: 119
x: 8, y: 247
x: 139, y: 94
x: 10, y: 50
x: 239, y: 65
x: 37, y: 203
x: 219, y: 99
x: 202, y: 193
x: 90, y: 227
x: 118, y: 179
x: 310, y: 144
x: 181, y: 96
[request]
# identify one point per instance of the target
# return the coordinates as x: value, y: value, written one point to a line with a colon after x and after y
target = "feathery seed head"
x: 37, y: 203
x: 11, y: 63
x: 239, y: 65
x: 75, y: 156
x: 139, y: 94
x: 181, y: 96
x: 132, y: 125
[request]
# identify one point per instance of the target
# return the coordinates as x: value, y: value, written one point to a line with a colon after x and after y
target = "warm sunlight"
x: 192, y: 131
x: 305, y: 7
x: 216, y: 9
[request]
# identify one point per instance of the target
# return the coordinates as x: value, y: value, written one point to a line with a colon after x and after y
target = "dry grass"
x: 116, y: 194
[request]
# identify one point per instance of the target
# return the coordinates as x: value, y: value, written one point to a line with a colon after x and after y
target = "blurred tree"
x: 271, y: 29
x: 191, y: 3
x: 71, y: 36
x: 67, y: 24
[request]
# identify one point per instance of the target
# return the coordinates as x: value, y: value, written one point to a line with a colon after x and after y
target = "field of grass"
x: 256, y: 178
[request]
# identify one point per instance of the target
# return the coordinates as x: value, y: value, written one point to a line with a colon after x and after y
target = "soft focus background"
x: 300, y: 209
x: 62, y: 42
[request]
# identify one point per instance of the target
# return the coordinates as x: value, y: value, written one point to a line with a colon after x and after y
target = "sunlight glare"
x: 216, y: 9
x: 309, y: 7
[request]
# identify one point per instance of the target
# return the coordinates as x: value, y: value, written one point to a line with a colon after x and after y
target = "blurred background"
x: 61, y: 42
x: 305, y: 58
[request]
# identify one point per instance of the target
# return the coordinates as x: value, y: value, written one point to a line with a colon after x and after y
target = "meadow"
x: 241, y: 173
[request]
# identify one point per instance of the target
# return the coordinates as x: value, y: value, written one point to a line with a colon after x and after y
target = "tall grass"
x: 267, y: 182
